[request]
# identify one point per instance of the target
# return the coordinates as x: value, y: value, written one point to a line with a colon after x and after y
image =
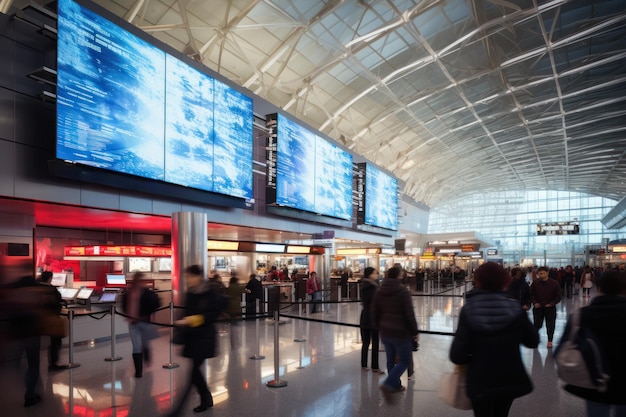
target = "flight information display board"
x: 311, y: 173
x: 377, y: 203
x: 125, y: 105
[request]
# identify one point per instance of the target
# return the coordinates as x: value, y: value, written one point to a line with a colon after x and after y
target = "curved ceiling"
x: 453, y: 96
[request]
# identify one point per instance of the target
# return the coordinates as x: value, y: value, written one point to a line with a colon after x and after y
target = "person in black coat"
x: 202, y: 307
x: 491, y: 328
x: 254, y: 292
x: 54, y: 306
x: 519, y: 288
x: 369, y: 286
x: 605, y: 317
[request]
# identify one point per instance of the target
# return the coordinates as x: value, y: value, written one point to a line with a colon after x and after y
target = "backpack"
x: 152, y: 301
x: 580, y: 358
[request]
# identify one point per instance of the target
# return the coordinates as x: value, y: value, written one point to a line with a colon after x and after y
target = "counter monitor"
x: 116, y: 279
x: 68, y: 293
x: 84, y: 294
x: 108, y: 297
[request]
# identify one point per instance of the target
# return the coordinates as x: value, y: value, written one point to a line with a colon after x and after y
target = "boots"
x: 206, y: 401
x: 138, y: 360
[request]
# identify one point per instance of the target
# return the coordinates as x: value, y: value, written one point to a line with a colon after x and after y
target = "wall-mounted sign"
x: 118, y: 250
x: 558, y: 228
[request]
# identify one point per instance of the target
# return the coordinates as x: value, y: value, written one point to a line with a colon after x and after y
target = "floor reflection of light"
x: 267, y: 373
x: 64, y: 391
x: 118, y: 386
x: 219, y: 393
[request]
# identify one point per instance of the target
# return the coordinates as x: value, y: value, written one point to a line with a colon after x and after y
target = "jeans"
x: 401, y: 348
x: 595, y: 409
x: 141, y: 333
x: 316, y: 298
x: 549, y: 313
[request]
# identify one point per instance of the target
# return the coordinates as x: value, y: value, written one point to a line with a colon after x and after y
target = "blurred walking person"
x: 202, y: 307
x: 487, y: 340
x: 605, y: 317
x: 139, y: 302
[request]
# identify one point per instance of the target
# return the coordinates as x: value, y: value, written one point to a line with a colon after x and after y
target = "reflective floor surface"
x: 323, y: 373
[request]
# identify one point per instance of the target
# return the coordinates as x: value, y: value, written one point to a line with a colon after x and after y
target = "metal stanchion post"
x: 266, y: 302
x: 113, y: 356
x: 276, y: 382
x: 257, y: 355
x: 170, y: 364
x: 299, y: 337
x: 70, y: 317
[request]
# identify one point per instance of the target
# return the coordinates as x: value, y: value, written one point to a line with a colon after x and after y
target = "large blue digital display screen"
x: 312, y: 174
x: 381, y: 199
x: 127, y: 106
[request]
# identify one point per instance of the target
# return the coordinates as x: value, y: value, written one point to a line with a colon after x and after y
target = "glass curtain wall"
x: 510, y: 220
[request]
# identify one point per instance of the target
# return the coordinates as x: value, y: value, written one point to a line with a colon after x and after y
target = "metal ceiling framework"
x: 455, y: 97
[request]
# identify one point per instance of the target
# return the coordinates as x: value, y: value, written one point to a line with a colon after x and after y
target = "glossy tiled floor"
x: 323, y: 373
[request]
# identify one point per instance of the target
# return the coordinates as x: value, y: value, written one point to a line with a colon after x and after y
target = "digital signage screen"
x: 109, y: 107
x: 125, y: 105
x: 312, y: 174
x: 381, y: 199
x: 188, y: 126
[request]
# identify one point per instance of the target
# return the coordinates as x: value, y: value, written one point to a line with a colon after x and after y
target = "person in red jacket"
x: 314, y: 289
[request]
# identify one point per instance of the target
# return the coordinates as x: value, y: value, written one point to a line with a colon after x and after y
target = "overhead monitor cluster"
x: 126, y: 106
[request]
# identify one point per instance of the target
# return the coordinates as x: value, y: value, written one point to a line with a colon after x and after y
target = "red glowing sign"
x: 104, y: 250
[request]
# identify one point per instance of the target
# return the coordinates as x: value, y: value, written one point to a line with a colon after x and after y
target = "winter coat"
x: 392, y: 311
x: 491, y: 328
x: 519, y: 290
x: 605, y: 316
x: 200, y: 341
x: 368, y: 290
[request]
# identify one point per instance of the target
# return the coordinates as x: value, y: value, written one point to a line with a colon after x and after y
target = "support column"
x: 189, y: 247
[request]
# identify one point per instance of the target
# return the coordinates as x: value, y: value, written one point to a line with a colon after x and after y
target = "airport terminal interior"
x: 284, y: 137
x: 322, y: 373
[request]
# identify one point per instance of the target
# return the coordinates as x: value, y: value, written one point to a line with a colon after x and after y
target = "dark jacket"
x: 520, y: 291
x: 148, y: 303
x: 52, y: 298
x: 606, y: 316
x: 200, y: 342
x: 256, y: 289
x: 545, y: 292
x: 368, y: 290
x: 491, y: 328
x: 392, y: 310
x: 233, y: 292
